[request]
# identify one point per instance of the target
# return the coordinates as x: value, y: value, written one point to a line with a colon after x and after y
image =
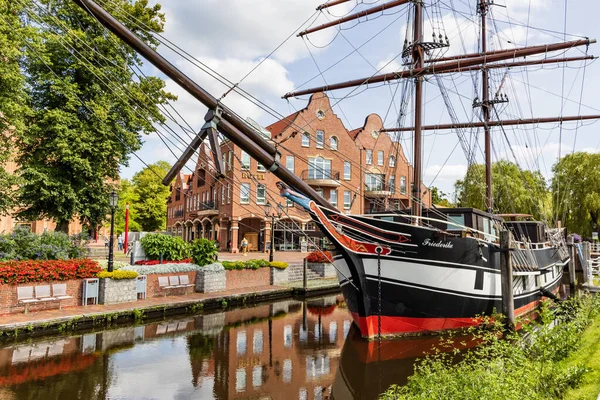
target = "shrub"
x: 204, y: 251
x: 31, y: 271
x: 171, y: 247
x: 118, y: 274
x: 22, y: 244
x: 319, y: 257
x: 279, y: 264
x: 247, y: 264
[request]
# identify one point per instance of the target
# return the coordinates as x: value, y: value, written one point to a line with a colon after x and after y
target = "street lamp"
x: 113, y: 200
x: 273, y: 216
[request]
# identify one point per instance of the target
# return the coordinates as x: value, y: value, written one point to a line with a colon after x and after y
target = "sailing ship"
x: 431, y: 269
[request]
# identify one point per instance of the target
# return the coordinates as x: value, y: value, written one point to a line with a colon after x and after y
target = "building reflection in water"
x: 284, y: 350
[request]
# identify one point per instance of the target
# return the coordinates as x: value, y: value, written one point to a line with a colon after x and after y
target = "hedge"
x: 32, y: 271
x: 278, y: 264
x: 248, y: 264
x: 116, y: 275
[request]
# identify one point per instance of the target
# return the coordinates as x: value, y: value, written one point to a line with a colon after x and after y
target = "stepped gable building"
x: 359, y: 172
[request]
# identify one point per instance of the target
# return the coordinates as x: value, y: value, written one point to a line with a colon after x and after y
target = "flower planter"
x: 324, y: 270
x: 279, y: 276
x: 114, y: 291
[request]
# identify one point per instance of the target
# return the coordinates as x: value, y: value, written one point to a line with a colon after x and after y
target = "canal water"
x: 283, y: 350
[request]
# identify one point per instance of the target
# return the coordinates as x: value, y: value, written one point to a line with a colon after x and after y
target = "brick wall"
x: 9, y: 304
x: 153, y: 290
x: 247, y: 278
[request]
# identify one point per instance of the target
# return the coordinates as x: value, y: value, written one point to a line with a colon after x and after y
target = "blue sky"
x: 233, y: 36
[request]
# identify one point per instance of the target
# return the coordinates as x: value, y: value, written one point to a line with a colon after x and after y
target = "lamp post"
x: 113, y: 199
x: 273, y: 216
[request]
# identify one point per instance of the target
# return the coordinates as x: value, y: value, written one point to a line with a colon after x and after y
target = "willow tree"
x: 576, y: 192
x: 89, y: 109
x: 514, y: 190
x: 13, y: 104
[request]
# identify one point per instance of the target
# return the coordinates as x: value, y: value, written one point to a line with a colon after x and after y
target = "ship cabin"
x: 461, y: 221
x: 524, y: 227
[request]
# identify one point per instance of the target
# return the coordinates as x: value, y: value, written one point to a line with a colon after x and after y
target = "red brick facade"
x: 247, y: 278
x: 359, y: 171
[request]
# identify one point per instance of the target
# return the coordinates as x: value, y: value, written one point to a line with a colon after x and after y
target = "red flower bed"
x: 319, y: 257
x: 30, y: 271
x: 156, y: 262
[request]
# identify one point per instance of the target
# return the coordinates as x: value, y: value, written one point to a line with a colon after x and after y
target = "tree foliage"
x: 514, y: 191
x: 127, y: 195
x: 151, y: 205
x: 439, y: 198
x: 13, y: 98
x: 88, y: 108
x: 576, y: 192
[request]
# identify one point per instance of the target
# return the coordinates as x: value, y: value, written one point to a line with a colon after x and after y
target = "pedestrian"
x: 120, y: 242
x: 229, y: 245
x: 245, y: 246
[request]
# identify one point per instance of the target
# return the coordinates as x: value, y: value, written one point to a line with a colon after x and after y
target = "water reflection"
x: 284, y: 350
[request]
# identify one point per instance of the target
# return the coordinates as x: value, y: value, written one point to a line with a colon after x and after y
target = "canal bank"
x: 84, y: 317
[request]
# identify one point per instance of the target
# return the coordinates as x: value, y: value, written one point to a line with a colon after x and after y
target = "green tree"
x: 439, y: 198
x: 514, y: 191
x: 151, y: 205
x: 13, y: 98
x: 576, y: 192
x: 71, y: 150
x: 127, y: 195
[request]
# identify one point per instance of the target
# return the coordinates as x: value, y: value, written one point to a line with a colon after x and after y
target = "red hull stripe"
x: 391, y: 325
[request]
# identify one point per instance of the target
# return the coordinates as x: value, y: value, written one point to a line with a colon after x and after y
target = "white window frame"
x: 245, y: 193
x: 347, y: 199
x: 403, y: 184
x: 245, y: 161
x: 319, y: 168
x: 392, y: 183
x: 261, y: 199
x: 392, y: 161
x: 333, y: 197
x: 347, y: 176
x: 333, y: 143
x: 290, y: 163
x: 229, y: 193
x: 222, y: 194
x: 369, y: 157
x: 305, y: 139
x: 380, y: 157
x: 260, y: 168
x: 320, y: 139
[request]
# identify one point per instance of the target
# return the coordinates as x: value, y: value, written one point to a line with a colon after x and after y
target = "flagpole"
x: 126, y: 239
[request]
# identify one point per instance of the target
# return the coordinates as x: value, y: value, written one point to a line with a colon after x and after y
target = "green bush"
x: 279, y: 264
x: 118, y: 274
x: 22, y: 244
x: 173, y: 248
x: 204, y: 251
x: 246, y: 264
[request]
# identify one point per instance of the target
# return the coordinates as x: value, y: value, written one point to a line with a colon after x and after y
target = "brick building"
x: 358, y: 171
x: 8, y: 221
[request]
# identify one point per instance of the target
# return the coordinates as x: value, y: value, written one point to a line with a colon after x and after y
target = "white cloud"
x: 245, y: 29
x: 445, y: 174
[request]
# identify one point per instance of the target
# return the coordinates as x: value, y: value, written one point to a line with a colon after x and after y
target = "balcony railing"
x: 319, y: 177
